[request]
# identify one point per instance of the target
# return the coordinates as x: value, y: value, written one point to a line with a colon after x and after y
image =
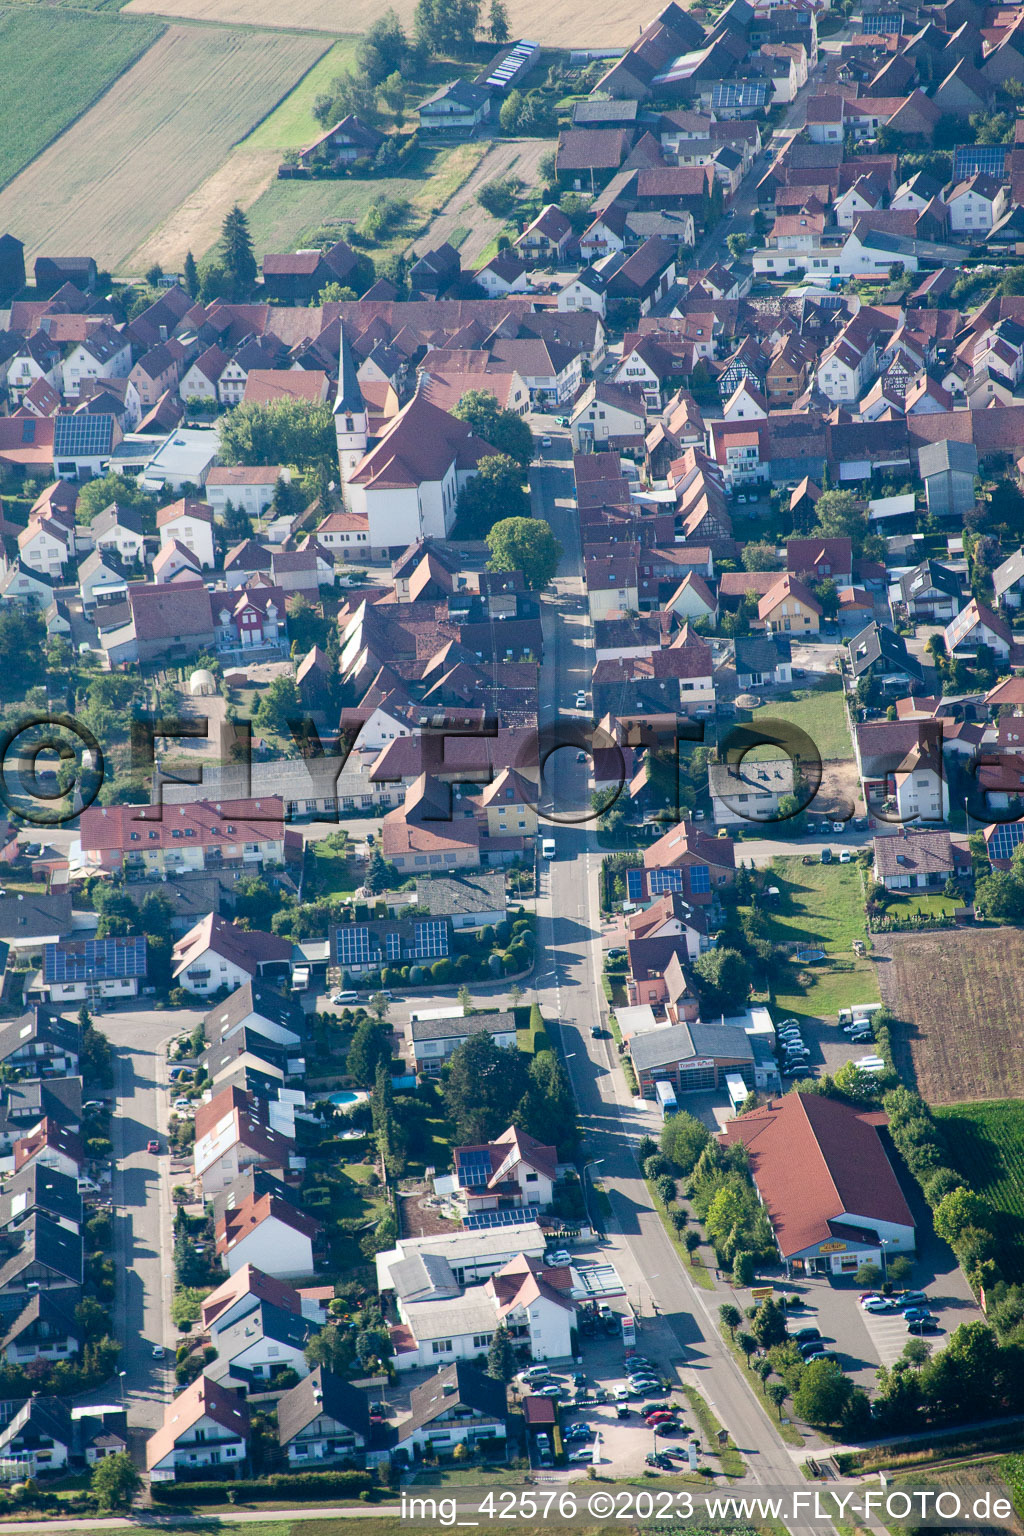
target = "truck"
x: 737, y: 1090
x: 666, y: 1096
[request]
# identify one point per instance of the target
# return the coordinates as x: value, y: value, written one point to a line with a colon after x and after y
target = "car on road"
x: 545, y: 442
x: 562, y: 421
x: 581, y: 757
x: 158, y: 1352
x: 596, y: 1032
x: 152, y: 1145
x: 581, y: 699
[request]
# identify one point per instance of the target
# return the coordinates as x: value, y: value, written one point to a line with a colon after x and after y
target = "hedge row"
x: 292, y: 1485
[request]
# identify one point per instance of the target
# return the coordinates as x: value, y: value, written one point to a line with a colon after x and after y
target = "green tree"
x: 510, y: 114
x: 22, y: 637
x: 383, y: 48
x: 841, y: 514
x: 524, y: 544
x: 96, y: 495
x: 768, y: 1324
x: 495, y: 491
x: 114, y: 1482
x: 760, y: 556
x: 737, y: 245
x: 683, y: 1138
x: 279, y: 704
x: 332, y: 1349
x: 502, y: 429
x: 501, y: 1359
x: 497, y: 23
x: 960, y: 1209
x: 823, y: 1393
x: 371, y: 1045
x: 484, y: 1085
x: 777, y: 1394
x: 747, y: 1343
x: 290, y: 432
x: 447, y: 26
x: 730, y: 1317
x: 547, y: 1109
x: 191, y: 274
x: 236, y: 251
x: 723, y: 980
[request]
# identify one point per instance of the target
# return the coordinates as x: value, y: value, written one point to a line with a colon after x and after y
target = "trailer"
x: 737, y: 1090
x: 666, y: 1096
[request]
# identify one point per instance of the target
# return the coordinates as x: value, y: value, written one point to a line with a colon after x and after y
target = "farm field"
x: 292, y: 124
x: 822, y: 906
x: 163, y: 127
x: 290, y: 213
x: 957, y: 997
x: 986, y: 1145
x: 84, y: 53
x: 609, y: 23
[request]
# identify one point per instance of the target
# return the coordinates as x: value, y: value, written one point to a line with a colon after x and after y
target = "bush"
x: 281, y: 1485
x: 665, y: 1184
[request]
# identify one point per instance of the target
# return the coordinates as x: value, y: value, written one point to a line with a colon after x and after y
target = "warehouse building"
x: 826, y: 1183
x: 694, y: 1058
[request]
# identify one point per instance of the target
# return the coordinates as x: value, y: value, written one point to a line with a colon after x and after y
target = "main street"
x: 569, y: 985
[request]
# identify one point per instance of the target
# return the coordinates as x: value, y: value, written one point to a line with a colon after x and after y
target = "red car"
x: 152, y: 1145
x: 660, y: 1416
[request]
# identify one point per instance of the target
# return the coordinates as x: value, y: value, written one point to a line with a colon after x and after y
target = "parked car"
x: 616, y: 953
x: 918, y: 1314
x: 659, y: 1416
x: 558, y: 1259
x: 880, y: 1304
x: 552, y: 1390
x: 545, y: 442
x: 152, y: 1145
x: 805, y: 1335
x: 821, y: 1354
x: 534, y: 1373
x: 826, y: 855
x: 812, y: 1347
x: 581, y: 757
x: 620, y: 1394
x: 922, y: 1325
x: 846, y: 856
x: 581, y: 1454
x: 912, y: 1299
x: 622, y: 1411
x: 158, y: 1352
x: 581, y: 699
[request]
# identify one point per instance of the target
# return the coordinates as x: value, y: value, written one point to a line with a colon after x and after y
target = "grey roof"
x: 41, y: 1241
x: 252, y: 1184
x: 40, y: 1026
x: 321, y: 1392
x: 930, y: 574
x: 58, y: 1098
x: 115, y: 516
x: 880, y: 645
x: 42, y: 1420
x: 761, y: 653
x: 458, y: 1385
x: 265, y: 1321
x: 472, y: 1024
x: 463, y: 91
x: 914, y: 853
x: 1009, y: 573
x: 451, y: 895
x: 349, y: 399
x: 595, y: 110
x: 37, y: 1188
x: 35, y: 917
x: 424, y: 1277
x: 936, y: 458
x: 254, y: 997
x: 244, y: 1042
x: 49, y: 1309
x: 679, y: 1042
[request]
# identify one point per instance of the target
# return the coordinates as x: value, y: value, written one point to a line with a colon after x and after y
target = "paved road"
x: 142, y: 1203
x: 683, y: 1326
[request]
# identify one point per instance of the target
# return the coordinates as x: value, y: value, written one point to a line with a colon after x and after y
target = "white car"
x: 545, y: 442
x: 182, y: 1104
x: 581, y: 699
x: 558, y: 1259
x: 621, y: 1394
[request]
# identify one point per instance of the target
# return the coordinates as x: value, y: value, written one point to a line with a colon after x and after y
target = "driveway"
x: 142, y: 1202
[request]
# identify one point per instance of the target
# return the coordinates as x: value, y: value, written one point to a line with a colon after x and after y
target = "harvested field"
x: 195, y: 226
x: 613, y: 23
x: 957, y: 997
x: 85, y: 53
x: 165, y: 126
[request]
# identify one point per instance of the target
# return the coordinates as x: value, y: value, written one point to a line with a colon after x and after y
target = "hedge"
x: 292, y: 1485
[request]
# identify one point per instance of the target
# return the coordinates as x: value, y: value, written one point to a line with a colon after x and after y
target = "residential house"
x: 233, y: 1132
x: 813, y: 560
x: 976, y: 204
x: 271, y: 1234
x: 252, y: 1352
x: 763, y: 661
x: 460, y: 1406
x: 165, y: 839
x: 206, y: 1426
x: 608, y: 414
x: 513, y: 1172
x: 790, y: 607
x: 477, y: 900
x: 38, y: 1438
x: 103, y: 354
x: 948, y: 469
x: 349, y: 141
x: 117, y: 530
x: 189, y: 523
x: 41, y: 1040
x: 915, y: 860
x: 688, y: 860
x: 455, y: 110
x: 85, y: 970
x: 976, y: 627
x: 548, y: 238
x: 529, y: 1300
x: 749, y: 791
x: 44, y: 1329
x: 216, y: 954
x: 322, y: 1419
x: 879, y: 653
x: 1008, y: 581
x: 902, y: 771
x: 931, y: 593
x: 248, y: 489
x: 434, y: 1040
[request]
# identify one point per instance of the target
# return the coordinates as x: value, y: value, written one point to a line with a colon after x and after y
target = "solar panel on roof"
x: 82, y: 436
x: 990, y: 159
x: 519, y: 1216
x: 663, y: 880
x: 738, y: 94
x: 95, y: 960
x: 353, y: 946
x: 1005, y: 839
x: 877, y: 24
x: 634, y: 884
x: 430, y: 939
x: 474, y: 1168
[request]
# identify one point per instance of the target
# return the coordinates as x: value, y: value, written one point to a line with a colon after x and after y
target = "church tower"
x: 351, y: 425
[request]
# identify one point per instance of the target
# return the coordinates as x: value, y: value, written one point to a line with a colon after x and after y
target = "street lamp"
x: 595, y: 1162
x: 122, y: 1375
x: 883, y: 1243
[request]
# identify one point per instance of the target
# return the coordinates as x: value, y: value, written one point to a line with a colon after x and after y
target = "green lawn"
x: 822, y: 906
x: 932, y: 902
x: 329, y: 870
x: 292, y: 125
x: 986, y: 1145
x: 821, y: 712
x: 72, y: 57
x: 291, y: 214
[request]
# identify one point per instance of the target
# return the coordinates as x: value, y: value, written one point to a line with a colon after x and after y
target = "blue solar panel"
x: 700, y: 878
x: 988, y: 158
x: 518, y: 1216
x: 95, y: 959
x: 474, y: 1168
x: 1005, y: 839
x: 887, y: 23
x: 431, y: 939
x: 353, y: 946
x: 635, y: 884
x: 739, y: 94
x: 663, y: 880
x: 82, y: 435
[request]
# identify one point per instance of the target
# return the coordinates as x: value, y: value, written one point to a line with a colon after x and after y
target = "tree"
x: 747, y: 1343
x: 958, y: 1210
x: 497, y: 23
x: 524, y: 544
x: 917, y: 1351
x: 236, y: 252
x: 447, y: 26
x: 191, y: 275
x: 823, y: 1393
x: 484, y: 1085
x: 547, y: 1109
x: 502, y: 429
x: 330, y: 1348
x: 777, y: 1394
x: 383, y: 48
x: 22, y: 636
x: 371, y: 1045
x: 730, y: 1317
x: 114, y: 1482
x: 501, y: 1359
x: 737, y: 244
x: 495, y: 491
x: 291, y: 432
x: 279, y: 704
x: 760, y: 556
x: 769, y: 1323
x: 683, y: 1139
x: 723, y: 980
x: 868, y: 1275
x: 98, y: 494
x: 841, y: 514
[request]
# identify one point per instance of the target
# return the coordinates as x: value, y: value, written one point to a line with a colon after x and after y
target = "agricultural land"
x: 164, y: 126
x: 85, y: 53
x: 609, y: 23
x: 957, y: 998
x: 986, y: 1145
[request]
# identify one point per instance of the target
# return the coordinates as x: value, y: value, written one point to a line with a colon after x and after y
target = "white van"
x: 547, y: 848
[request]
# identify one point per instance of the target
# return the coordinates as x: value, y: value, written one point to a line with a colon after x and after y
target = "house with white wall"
x: 206, y: 1426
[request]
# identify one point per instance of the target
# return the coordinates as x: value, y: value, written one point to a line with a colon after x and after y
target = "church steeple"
x: 351, y: 425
